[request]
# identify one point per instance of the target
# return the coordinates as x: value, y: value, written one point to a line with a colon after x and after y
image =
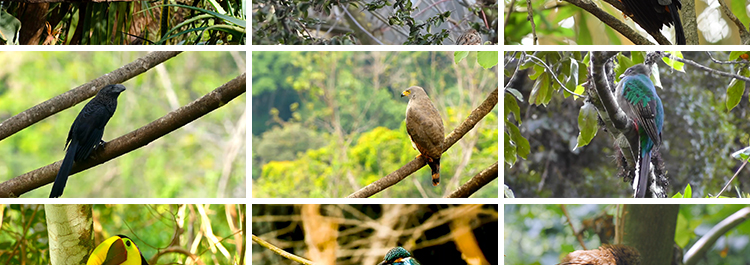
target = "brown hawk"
x: 425, y: 128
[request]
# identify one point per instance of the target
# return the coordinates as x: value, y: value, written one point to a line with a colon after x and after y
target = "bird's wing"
x: 424, y: 125
x: 639, y: 94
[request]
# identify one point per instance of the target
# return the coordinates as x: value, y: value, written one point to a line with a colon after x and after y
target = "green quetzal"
x: 398, y: 256
x: 637, y: 97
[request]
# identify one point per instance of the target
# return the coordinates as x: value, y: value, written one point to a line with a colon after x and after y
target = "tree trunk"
x: 650, y: 228
x: 69, y: 228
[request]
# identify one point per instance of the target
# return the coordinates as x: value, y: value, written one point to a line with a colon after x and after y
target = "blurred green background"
x: 193, y: 161
x: 152, y: 227
x: 325, y: 124
x: 540, y: 234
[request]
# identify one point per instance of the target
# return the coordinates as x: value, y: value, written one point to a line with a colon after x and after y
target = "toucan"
x: 117, y: 250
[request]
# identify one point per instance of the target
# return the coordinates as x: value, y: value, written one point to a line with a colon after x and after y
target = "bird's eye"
x: 127, y: 242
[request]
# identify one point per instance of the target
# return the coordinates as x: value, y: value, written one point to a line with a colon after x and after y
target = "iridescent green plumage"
x: 398, y: 256
x: 637, y: 97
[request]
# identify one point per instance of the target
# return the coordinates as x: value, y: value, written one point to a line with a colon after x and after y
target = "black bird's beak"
x: 119, y: 88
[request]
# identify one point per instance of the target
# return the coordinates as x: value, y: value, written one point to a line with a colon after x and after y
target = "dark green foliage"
x: 300, y: 22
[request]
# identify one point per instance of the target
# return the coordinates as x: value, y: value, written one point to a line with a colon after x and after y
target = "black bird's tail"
x: 679, y: 33
x: 643, y: 176
x: 62, y: 174
x: 435, y: 167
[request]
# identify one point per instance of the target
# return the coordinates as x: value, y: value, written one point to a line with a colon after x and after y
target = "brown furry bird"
x: 605, y: 255
x: 470, y: 37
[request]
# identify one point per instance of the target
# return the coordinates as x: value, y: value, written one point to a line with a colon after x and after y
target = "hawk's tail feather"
x: 435, y: 167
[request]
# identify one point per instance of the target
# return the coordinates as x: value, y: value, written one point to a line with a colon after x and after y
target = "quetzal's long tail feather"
x: 678, y: 31
x: 645, y: 163
x: 62, y: 174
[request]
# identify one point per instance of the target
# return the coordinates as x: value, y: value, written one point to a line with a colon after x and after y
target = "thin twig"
x: 360, y: 26
x: 567, y: 217
x: 554, y: 76
x: 730, y: 180
x: 704, y: 68
x: 535, y: 40
x: 281, y: 252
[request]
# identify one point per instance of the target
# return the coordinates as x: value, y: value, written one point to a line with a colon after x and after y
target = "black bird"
x: 652, y: 15
x: 86, y: 132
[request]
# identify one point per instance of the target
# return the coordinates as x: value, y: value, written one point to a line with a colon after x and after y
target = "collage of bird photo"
x: 626, y: 155
x: 373, y: 133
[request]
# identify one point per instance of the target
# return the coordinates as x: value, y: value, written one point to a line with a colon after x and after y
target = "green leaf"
x: 511, y: 106
x: 458, y: 56
x: 735, y: 90
x: 509, y: 152
x: 579, y: 90
x: 9, y: 27
x: 679, y: 66
x: 233, y: 20
x: 487, y: 59
x: 588, y: 124
x: 638, y: 57
x: 522, y: 145
x: 743, y: 154
x: 515, y: 93
x: 734, y: 55
x: 547, y: 89
x: 682, y: 234
x: 572, y: 80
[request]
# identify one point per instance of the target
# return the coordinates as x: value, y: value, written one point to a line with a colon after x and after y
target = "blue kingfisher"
x: 398, y: 256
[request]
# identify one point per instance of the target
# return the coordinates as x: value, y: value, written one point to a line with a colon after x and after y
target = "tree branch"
x: 614, y: 118
x: 744, y: 35
x: 707, y: 241
x: 617, y: 24
x: 131, y: 141
x: 281, y: 252
x: 391, y: 179
x: 74, y: 96
x: 475, y: 183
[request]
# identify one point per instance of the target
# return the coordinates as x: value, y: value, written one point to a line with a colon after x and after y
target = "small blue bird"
x: 637, y: 97
x: 398, y: 256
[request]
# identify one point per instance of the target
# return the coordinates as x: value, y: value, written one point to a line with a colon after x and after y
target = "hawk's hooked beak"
x: 405, y: 93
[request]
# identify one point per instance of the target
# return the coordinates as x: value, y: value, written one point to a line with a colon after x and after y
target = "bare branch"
x: 133, y: 140
x: 744, y: 35
x: 68, y: 99
x: 616, y: 24
x: 281, y: 252
x: 475, y: 183
x: 391, y: 179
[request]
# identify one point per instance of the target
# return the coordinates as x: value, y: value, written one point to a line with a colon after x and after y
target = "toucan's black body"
x: 652, y: 15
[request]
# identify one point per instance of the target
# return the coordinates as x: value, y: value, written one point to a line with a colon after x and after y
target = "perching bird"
x: 470, y: 37
x: 86, y: 132
x: 605, y: 255
x: 652, y: 15
x: 637, y: 97
x: 398, y: 256
x: 117, y: 250
x: 425, y: 128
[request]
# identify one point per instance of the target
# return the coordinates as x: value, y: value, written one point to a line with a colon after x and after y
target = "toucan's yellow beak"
x: 117, y: 250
